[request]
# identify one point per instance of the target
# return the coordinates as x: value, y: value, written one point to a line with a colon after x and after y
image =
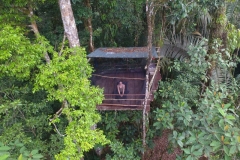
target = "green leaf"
x: 35, y: 151
x: 26, y: 153
x: 17, y: 143
x: 189, y: 157
x: 226, y: 106
x: 221, y: 123
x: 3, y: 153
x: 37, y: 156
x: 197, y: 153
x: 191, y: 139
x: 20, y: 157
x: 229, y: 121
x: 4, y: 148
x: 180, y: 143
x: 22, y: 149
x: 222, y: 112
x: 215, y: 148
x: 215, y: 143
x: 226, y: 150
x: 174, y: 134
x: 233, y: 150
x: 186, y: 150
x: 230, y: 117
x: 226, y: 157
x: 4, y: 157
x: 201, y: 134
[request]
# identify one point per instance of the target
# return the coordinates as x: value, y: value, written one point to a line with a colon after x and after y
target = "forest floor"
x: 160, y: 151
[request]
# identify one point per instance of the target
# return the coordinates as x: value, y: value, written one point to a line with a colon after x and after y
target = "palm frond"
x: 177, y: 46
x: 203, y: 22
x: 230, y: 9
x: 183, y: 42
x: 165, y: 62
x: 232, y: 12
x: 172, y: 51
x: 221, y: 76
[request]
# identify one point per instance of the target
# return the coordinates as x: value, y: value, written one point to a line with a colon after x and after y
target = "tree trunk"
x: 36, y: 31
x: 149, y: 12
x: 88, y: 25
x: 217, y: 31
x: 70, y: 28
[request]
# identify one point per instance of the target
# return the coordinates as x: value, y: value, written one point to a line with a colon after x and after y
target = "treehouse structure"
x: 128, y: 65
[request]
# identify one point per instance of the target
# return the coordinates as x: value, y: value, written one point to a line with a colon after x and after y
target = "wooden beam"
x: 118, y: 77
x: 122, y: 105
x: 121, y: 108
x: 125, y: 94
x: 124, y: 99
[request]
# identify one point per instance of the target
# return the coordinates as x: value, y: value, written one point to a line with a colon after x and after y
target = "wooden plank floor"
x: 135, y: 84
x: 134, y: 92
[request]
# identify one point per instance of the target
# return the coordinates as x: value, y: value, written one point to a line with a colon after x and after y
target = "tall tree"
x: 64, y: 78
x: 206, y: 123
x: 88, y: 26
x: 80, y: 120
x: 217, y: 33
x: 70, y: 29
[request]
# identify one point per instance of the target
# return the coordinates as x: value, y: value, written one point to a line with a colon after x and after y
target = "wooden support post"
x: 145, y: 115
x: 149, y: 9
x: 156, y: 70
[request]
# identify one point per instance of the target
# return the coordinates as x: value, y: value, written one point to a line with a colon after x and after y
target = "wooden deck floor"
x: 134, y: 81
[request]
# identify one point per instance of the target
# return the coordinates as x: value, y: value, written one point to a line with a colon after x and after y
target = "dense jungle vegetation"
x: 47, y: 103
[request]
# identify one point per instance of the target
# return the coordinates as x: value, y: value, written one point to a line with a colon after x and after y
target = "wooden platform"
x: 123, y: 104
x: 134, y: 81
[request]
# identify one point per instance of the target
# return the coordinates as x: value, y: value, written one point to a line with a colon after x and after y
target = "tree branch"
x: 64, y: 38
x: 59, y: 112
x: 36, y: 31
x: 62, y: 135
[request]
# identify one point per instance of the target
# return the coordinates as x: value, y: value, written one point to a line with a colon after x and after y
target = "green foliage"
x: 16, y: 50
x: 182, y: 10
x: 179, y: 17
x: 17, y: 149
x: 203, y: 124
x: 233, y: 37
x: 125, y: 127
x: 121, y: 125
x: 66, y: 79
x: 232, y: 11
x: 49, y: 23
x: 120, y: 152
x: 25, y: 114
x: 21, y: 112
x: 222, y: 20
x: 118, y: 23
x: 80, y: 138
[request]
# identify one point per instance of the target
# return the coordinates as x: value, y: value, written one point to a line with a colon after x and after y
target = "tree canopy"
x: 47, y: 102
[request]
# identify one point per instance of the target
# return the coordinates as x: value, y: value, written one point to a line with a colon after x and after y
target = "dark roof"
x: 120, y: 52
